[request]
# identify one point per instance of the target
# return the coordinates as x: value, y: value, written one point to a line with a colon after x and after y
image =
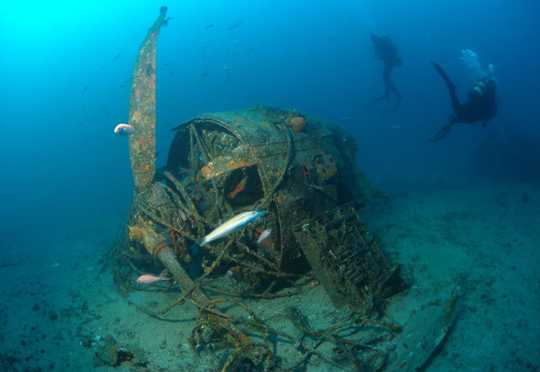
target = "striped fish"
x: 230, y: 226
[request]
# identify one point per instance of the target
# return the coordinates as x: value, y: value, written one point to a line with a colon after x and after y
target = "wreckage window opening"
x: 197, y: 140
x: 243, y: 187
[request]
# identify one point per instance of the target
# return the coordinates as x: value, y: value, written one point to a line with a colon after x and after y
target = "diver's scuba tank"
x: 479, y: 89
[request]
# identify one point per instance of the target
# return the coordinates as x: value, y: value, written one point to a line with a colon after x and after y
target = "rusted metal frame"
x: 359, y: 364
x: 119, y: 278
x: 180, y: 204
x: 262, y: 176
x: 318, y: 261
x: 269, y: 272
x: 209, y: 323
x: 258, y: 324
x: 196, y: 283
x: 351, y: 271
x: 206, y: 152
x: 339, y: 219
x: 180, y: 249
x: 197, y: 224
x: 322, y: 356
x: 237, y: 303
x: 257, y: 255
x: 280, y: 229
x: 243, y: 352
x: 375, y: 256
x: 214, y: 251
x: 226, y: 323
x: 148, y: 211
x: 192, y: 210
x: 232, y: 292
x: 279, y: 274
x: 254, y: 317
x: 197, y: 297
x: 268, y: 146
x: 360, y: 345
x: 265, y: 180
x: 352, y: 255
x: 131, y: 264
x: 250, y: 265
x: 312, y: 352
x: 269, y: 288
x: 327, y: 214
x: 204, y: 310
x: 202, y: 144
x: 286, y: 163
x: 266, y: 198
x: 343, y: 344
x: 191, y: 157
x: 353, y: 293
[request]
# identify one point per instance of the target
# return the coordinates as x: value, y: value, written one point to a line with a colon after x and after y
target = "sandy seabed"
x: 58, y: 312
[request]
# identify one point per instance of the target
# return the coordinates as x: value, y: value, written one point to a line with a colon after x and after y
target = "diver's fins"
x: 443, y: 132
x: 441, y: 72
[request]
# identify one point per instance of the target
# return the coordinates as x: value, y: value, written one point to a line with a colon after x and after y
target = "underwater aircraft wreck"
x: 298, y: 169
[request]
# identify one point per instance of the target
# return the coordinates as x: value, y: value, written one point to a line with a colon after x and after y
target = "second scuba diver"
x: 481, y: 106
x: 386, y: 51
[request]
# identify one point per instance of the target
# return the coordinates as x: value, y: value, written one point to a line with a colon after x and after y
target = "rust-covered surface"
x: 142, y: 108
x: 302, y: 171
x: 264, y: 136
x: 346, y: 259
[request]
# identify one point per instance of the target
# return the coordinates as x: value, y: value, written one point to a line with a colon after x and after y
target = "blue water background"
x: 62, y: 166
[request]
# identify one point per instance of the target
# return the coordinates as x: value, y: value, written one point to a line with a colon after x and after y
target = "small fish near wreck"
x: 124, y: 129
x: 149, y: 279
x: 265, y: 234
x: 231, y: 225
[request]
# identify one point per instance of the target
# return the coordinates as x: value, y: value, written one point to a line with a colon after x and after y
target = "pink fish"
x: 265, y: 234
x: 124, y: 129
x: 149, y: 279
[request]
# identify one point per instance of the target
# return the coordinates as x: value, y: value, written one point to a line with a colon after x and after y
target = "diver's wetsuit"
x: 386, y: 51
x: 478, y: 108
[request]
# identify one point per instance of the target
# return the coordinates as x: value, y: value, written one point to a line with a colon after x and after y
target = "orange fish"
x: 149, y: 279
x: 124, y: 129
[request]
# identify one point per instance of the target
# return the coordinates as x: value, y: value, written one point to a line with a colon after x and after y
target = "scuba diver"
x: 386, y: 51
x: 481, y: 106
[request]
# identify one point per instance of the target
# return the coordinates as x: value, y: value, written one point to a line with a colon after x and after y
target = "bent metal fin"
x: 142, y: 109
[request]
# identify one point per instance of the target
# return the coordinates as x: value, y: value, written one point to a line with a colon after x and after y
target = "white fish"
x: 182, y: 215
x: 265, y: 234
x: 124, y: 129
x: 230, y: 226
